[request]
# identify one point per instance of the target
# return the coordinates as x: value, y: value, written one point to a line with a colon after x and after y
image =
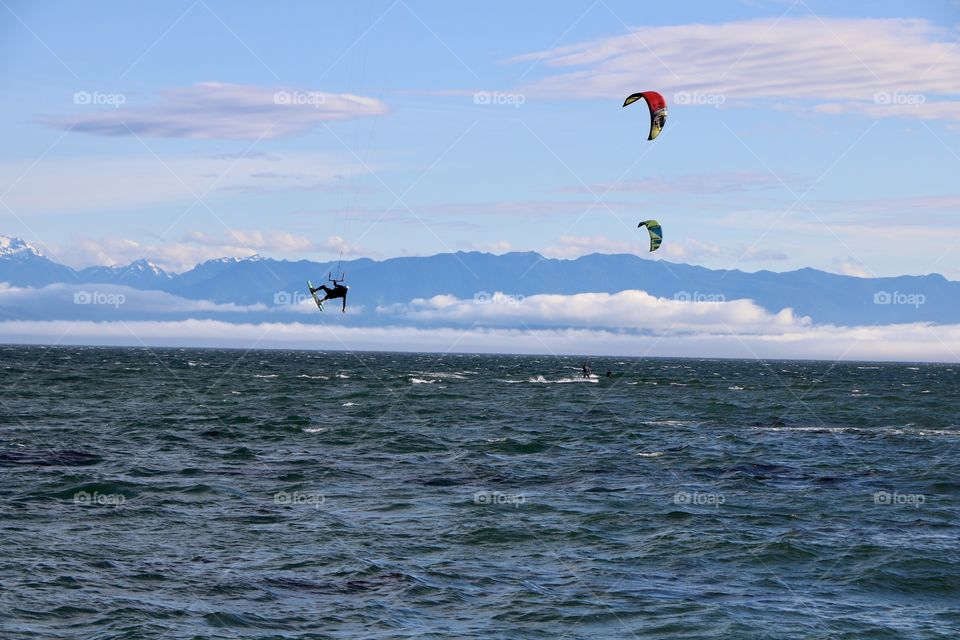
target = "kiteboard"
x: 314, y: 294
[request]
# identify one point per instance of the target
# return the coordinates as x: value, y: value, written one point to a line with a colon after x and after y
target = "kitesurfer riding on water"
x: 338, y: 291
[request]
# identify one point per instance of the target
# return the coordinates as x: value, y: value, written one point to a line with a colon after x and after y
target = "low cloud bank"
x: 906, y: 342
x: 630, y: 309
x: 628, y: 323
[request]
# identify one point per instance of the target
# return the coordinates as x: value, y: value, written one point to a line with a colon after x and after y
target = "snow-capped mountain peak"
x: 256, y: 257
x: 144, y: 266
x: 14, y: 246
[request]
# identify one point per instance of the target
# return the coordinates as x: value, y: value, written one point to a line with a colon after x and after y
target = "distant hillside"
x: 827, y: 298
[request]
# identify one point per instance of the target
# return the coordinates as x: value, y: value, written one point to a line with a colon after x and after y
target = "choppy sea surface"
x: 184, y: 493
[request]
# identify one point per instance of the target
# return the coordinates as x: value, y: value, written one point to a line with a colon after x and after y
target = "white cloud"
x: 632, y: 309
x: 851, y: 267
x: 878, y: 67
x: 198, y: 246
x: 906, y: 342
x: 498, y: 247
x: 217, y: 110
x: 336, y: 245
x: 691, y: 250
x: 279, y: 241
x: 569, y: 246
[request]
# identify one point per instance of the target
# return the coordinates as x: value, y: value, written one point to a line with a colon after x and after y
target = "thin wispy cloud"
x: 834, y: 65
x: 222, y: 111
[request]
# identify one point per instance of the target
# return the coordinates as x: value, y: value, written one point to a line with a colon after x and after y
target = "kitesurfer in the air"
x: 337, y: 291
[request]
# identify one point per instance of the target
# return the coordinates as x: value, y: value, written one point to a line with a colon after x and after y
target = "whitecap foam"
x: 541, y: 380
x: 442, y: 374
x: 566, y: 380
x: 880, y: 431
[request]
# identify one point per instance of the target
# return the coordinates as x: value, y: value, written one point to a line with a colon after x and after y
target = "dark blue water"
x: 230, y: 494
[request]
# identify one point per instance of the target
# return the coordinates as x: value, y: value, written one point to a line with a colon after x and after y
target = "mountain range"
x: 270, y: 284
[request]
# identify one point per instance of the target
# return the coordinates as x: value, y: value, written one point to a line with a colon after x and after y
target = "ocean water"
x: 185, y: 493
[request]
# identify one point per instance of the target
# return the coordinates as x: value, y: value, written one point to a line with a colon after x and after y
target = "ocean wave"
x: 542, y: 380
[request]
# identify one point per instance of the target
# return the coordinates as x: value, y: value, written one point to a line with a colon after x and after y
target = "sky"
x: 800, y: 134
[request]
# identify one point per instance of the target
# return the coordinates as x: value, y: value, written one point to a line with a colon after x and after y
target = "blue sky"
x: 818, y: 135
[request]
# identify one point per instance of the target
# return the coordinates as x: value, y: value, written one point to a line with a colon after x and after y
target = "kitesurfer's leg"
x: 344, y: 310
